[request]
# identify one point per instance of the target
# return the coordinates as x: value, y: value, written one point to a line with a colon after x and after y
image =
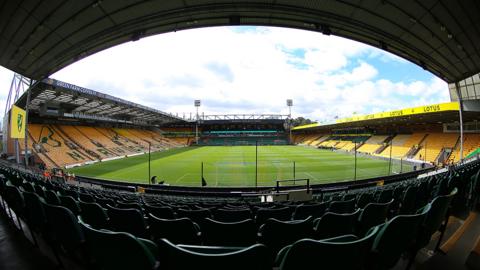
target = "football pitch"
x: 241, y: 166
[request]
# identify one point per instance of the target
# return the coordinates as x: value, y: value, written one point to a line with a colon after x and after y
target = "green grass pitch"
x: 235, y: 166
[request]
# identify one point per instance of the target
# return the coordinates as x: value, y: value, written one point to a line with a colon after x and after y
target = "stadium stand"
x: 433, y: 145
x: 402, y: 145
x: 471, y: 142
x: 62, y: 145
x: 372, y: 144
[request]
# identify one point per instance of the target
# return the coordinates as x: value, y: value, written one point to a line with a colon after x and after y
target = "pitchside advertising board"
x: 17, y: 123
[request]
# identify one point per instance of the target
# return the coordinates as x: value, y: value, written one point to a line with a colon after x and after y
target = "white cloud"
x: 252, y: 71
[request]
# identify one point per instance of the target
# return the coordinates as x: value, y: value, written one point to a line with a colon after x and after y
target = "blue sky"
x: 254, y: 70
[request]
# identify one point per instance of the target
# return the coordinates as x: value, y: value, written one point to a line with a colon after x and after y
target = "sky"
x: 242, y: 70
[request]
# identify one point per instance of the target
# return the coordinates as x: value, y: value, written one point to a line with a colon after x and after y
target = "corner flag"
x: 17, y: 123
x: 204, y: 183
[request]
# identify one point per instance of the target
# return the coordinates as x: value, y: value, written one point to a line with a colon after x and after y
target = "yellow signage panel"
x: 17, y: 123
x: 306, y: 126
x: 442, y: 107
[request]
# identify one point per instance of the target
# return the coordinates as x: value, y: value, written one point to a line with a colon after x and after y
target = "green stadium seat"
x: 175, y: 257
x: 51, y: 197
x: 343, y: 253
x: 304, y: 211
x: 70, y: 203
x: 94, y: 215
x: 178, y: 231
x: 395, y: 238
x: 432, y: 223
x: 35, y: 216
x: 231, y: 215
x: 364, y: 199
x: 65, y: 231
x: 39, y: 190
x: 118, y: 250
x: 334, y: 224
x: 238, y: 234
x: 283, y: 214
x: 342, y: 207
x: 16, y: 203
x: 372, y: 215
x: 276, y: 234
x: 408, y: 205
x: 196, y: 215
x: 84, y: 197
x: 385, y: 195
x: 164, y: 212
x: 127, y: 220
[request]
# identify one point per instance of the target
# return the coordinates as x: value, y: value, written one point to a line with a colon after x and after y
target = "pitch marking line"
x: 183, y: 176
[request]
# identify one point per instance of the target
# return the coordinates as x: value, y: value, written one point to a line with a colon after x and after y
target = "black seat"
x: 178, y: 231
x: 240, y: 233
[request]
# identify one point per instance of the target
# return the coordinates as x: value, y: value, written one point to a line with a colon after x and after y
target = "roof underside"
x: 39, y: 37
x: 67, y: 101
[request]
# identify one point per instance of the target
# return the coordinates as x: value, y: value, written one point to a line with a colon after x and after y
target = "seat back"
x: 117, y: 250
x: 230, y: 215
x: 254, y: 257
x: 373, y: 214
x: 408, y: 205
x: 239, y: 234
x: 197, y: 215
x: 284, y: 214
x: 70, y: 203
x: 64, y: 227
x: 160, y: 211
x: 342, y: 253
x: 394, y: 238
x: 333, y: 224
x: 34, y: 212
x: 342, y: 207
x: 434, y: 219
x: 364, y: 199
x: 127, y: 220
x: 94, y: 215
x: 307, y: 210
x: 276, y: 234
x: 178, y: 231
x: 51, y: 197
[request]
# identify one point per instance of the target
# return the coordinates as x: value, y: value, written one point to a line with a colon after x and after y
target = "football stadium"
x: 94, y: 180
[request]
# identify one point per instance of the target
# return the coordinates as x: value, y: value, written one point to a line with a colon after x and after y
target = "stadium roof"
x: 40, y: 37
x: 62, y: 100
x: 428, y: 114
